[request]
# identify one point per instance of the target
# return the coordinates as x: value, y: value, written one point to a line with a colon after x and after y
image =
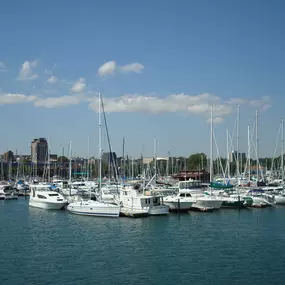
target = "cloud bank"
x: 137, y: 103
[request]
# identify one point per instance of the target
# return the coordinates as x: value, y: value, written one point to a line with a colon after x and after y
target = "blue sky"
x: 160, y: 65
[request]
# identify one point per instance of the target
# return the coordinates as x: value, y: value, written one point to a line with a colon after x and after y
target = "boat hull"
x: 158, y: 210
x: 205, y: 204
x: 47, y: 205
x: 175, y: 206
x: 133, y: 212
x: 106, y: 210
x: 280, y: 200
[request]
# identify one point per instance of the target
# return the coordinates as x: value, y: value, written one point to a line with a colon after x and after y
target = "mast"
x: 155, y: 158
x: 282, y: 149
x: 248, y: 151
x: 88, y: 160
x: 132, y: 168
x: 100, y: 145
x: 167, y: 164
x: 49, y: 160
x: 228, y: 154
x: 211, y: 147
x: 238, y: 156
x: 70, y: 166
x: 257, y: 148
x: 124, y: 161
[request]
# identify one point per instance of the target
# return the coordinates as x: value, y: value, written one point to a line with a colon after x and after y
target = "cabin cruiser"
x: 42, y: 196
x: 135, y: 203
x: 9, y: 192
x: 182, y: 201
x: 202, y: 202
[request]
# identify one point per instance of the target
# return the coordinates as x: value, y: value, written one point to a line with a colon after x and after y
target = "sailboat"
x: 91, y: 207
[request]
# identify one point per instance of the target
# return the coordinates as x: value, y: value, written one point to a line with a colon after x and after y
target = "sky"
x: 159, y: 64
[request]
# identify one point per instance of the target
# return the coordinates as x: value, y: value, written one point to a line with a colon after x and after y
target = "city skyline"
x: 159, y: 77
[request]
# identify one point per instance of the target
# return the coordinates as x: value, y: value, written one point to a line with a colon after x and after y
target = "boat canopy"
x: 219, y: 185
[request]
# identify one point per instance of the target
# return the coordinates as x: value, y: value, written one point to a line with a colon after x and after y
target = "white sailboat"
x: 91, y: 207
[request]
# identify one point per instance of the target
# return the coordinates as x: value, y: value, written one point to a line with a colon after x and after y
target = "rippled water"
x: 226, y: 247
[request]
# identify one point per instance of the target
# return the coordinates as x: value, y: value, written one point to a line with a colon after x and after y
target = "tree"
x: 197, y: 161
x: 62, y: 159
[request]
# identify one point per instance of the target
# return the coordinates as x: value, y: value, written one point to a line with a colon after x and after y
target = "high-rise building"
x: 8, y: 156
x: 39, y: 151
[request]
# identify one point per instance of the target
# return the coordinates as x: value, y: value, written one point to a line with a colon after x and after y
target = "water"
x: 226, y: 247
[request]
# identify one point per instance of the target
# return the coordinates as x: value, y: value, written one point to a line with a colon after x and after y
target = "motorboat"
x: 41, y: 196
x: 93, y: 208
x: 182, y: 201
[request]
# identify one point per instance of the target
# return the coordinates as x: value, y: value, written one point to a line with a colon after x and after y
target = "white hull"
x: 46, y: 205
x: 207, y: 203
x: 280, y: 200
x: 94, y: 208
x: 134, y: 212
x: 260, y: 202
x: 158, y: 210
x: 182, y: 205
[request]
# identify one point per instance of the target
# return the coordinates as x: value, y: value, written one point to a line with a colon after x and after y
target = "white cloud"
x: 79, y: 86
x: 56, y: 102
x: 216, y: 120
x: 2, y: 67
x: 52, y: 79
x: 237, y: 101
x: 15, y: 98
x: 27, y: 70
x: 132, y: 67
x: 199, y: 104
x: 108, y: 68
x: 260, y: 103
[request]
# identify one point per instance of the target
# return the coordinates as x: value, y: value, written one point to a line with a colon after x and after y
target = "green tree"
x: 197, y: 161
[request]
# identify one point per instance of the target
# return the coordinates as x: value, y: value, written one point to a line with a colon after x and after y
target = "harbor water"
x: 224, y: 247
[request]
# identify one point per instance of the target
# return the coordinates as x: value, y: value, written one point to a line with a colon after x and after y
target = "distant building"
x: 53, y: 157
x: 39, y: 150
x: 109, y: 157
x: 202, y: 175
x: 8, y: 156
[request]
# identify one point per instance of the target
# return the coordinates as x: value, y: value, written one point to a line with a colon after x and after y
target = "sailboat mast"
x: 282, y: 149
x: 132, y: 168
x: 155, y: 158
x: 88, y: 159
x: 238, y: 156
x: 248, y: 151
x: 124, y: 161
x: 257, y: 148
x: 70, y: 166
x: 49, y: 160
x: 211, y: 147
x: 167, y: 164
x: 228, y: 155
x: 100, y: 146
